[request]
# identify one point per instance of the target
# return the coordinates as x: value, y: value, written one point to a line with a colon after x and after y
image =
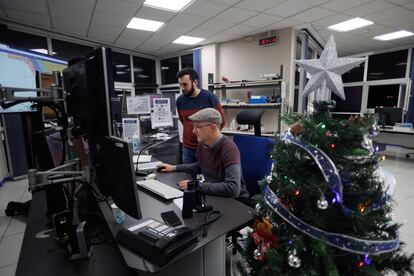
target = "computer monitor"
x: 116, y: 176
x: 388, y: 116
x: 89, y: 84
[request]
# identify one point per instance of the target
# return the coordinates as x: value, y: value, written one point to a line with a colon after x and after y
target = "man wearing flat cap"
x: 218, y: 158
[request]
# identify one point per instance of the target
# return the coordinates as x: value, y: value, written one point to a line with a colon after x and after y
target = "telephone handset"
x: 166, y: 241
x: 156, y: 241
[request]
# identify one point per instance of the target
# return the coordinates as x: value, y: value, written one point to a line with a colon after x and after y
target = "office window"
x: 68, y: 50
x: 352, y: 103
x: 144, y: 70
x: 387, y: 66
x: 383, y: 95
x: 355, y: 74
x: 25, y: 41
x: 187, y: 61
x: 169, y: 69
x: 122, y: 67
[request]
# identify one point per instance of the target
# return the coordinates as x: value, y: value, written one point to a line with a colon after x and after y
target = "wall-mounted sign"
x: 271, y: 40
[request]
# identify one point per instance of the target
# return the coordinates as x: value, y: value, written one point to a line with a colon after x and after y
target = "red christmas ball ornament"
x: 332, y: 146
x: 328, y: 133
x: 361, y: 264
x: 297, y: 192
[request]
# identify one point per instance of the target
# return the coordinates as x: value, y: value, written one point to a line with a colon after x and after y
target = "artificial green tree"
x: 324, y: 210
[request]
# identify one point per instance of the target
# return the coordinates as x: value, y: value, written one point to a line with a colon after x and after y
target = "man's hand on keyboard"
x: 183, y: 184
x: 163, y: 167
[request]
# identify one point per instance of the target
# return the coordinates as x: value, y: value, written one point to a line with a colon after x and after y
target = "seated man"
x: 218, y: 158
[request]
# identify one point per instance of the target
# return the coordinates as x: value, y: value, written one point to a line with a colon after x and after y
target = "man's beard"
x: 190, y: 92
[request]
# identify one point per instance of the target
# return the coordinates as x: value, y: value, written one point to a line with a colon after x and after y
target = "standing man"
x: 191, y: 101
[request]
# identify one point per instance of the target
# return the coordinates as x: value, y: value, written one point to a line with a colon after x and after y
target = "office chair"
x: 255, y: 162
x: 254, y: 150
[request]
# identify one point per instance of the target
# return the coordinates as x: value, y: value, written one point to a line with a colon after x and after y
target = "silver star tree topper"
x: 327, y: 70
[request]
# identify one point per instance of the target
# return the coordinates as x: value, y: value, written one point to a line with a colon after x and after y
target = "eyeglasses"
x: 198, y: 126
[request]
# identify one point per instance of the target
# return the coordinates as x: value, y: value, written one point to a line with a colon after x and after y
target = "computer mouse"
x: 151, y: 176
x: 159, y: 168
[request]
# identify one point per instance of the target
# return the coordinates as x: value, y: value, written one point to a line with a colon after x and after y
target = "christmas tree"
x: 324, y: 209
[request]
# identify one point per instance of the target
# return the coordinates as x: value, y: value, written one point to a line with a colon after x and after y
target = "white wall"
x: 243, y: 59
x: 240, y: 59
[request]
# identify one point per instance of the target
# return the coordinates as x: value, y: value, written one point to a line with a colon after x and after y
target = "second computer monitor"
x: 116, y: 175
x: 388, y: 116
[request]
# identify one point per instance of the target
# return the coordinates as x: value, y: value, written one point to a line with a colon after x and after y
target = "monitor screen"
x: 19, y: 69
x: 90, y: 88
x: 388, y: 116
x: 116, y: 176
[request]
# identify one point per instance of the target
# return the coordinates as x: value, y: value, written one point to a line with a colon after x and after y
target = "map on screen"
x: 18, y: 69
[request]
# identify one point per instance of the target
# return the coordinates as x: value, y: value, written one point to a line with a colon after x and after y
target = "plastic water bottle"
x: 136, y: 143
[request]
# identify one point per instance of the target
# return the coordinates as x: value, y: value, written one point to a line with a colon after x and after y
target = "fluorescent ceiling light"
x: 42, y: 51
x: 145, y: 24
x: 394, y: 35
x: 188, y: 40
x: 351, y: 24
x: 171, y: 5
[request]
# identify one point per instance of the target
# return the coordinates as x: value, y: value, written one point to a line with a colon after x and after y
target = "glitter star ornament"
x: 326, y: 72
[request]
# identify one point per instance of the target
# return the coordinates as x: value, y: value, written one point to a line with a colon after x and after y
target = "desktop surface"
x: 234, y: 215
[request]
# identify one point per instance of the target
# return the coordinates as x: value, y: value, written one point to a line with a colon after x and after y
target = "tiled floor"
x: 12, y: 229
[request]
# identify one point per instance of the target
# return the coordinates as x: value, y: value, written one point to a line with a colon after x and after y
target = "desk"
x: 234, y: 215
x: 393, y: 137
x: 40, y: 256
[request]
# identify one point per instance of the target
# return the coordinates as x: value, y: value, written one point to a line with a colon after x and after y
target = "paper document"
x: 142, y: 158
x: 148, y: 166
x: 162, y: 116
x: 138, y: 105
x: 130, y: 127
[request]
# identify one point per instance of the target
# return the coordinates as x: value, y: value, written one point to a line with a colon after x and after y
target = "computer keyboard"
x: 160, y: 188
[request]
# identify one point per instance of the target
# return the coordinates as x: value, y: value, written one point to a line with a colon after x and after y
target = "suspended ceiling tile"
x: 39, y: 6
x: 331, y: 20
x: 80, y: 4
x: 258, y: 5
x: 369, y: 8
x: 203, y: 8
x: 340, y: 5
x: 66, y: 12
x: 388, y: 14
x: 117, y: 7
x: 288, y: 8
x: 200, y: 33
x: 71, y: 26
x: 186, y: 20
x: 110, y: 19
x: 400, y: 22
x: 216, y: 25
x: 236, y: 15
x: 282, y: 24
x: 241, y: 30
x: 107, y: 38
x: 155, y: 14
x: 36, y: 19
x: 401, y: 2
x: 225, y: 2
x: 132, y: 38
x: 312, y: 15
x: 105, y: 29
x: 262, y: 20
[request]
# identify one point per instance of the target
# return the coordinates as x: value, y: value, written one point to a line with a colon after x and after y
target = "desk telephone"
x: 156, y: 241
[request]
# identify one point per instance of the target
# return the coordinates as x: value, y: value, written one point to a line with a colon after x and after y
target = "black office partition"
x: 15, y: 145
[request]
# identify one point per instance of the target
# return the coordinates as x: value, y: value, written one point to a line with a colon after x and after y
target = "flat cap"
x: 207, y: 115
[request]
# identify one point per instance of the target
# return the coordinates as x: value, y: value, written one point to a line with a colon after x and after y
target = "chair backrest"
x: 255, y: 159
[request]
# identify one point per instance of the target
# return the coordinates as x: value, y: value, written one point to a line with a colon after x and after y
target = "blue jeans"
x: 189, y: 156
